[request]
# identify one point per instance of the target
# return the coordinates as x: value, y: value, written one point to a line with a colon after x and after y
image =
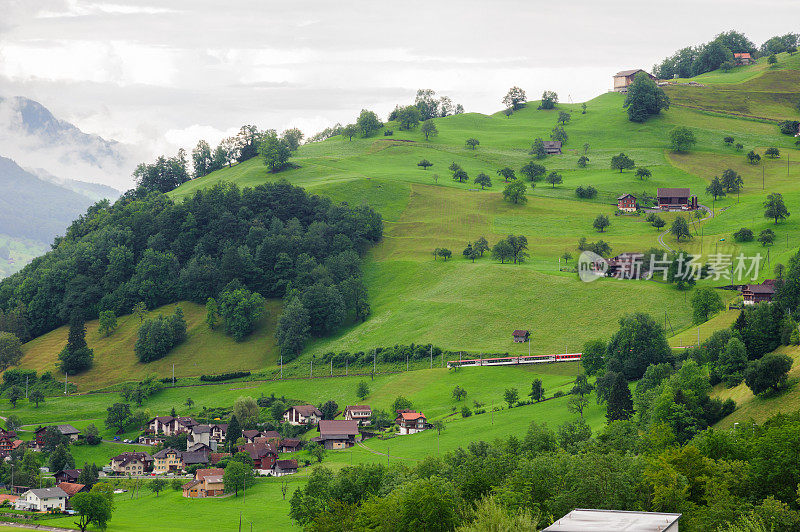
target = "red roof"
x: 411, y: 416
x: 71, y: 488
x: 742, y: 55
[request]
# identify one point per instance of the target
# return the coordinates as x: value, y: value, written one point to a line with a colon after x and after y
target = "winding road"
x: 661, y: 236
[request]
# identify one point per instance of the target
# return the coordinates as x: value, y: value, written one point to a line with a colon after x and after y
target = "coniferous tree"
x: 233, y: 433
x: 619, y: 405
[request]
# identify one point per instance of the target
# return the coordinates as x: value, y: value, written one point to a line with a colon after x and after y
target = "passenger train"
x: 507, y: 361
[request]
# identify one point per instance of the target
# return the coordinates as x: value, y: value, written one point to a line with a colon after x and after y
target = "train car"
x: 506, y: 361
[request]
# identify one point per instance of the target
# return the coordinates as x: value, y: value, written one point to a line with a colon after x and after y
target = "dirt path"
x: 389, y: 455
x: 661, y: 236
x: 27, y: 526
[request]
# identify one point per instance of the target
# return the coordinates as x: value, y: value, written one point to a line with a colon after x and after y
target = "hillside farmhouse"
x: 206, y: 483
x: 676, y: 199
x: 337, y: 433
x: 521, y: 336
x: 132, y: 463
x: 758, y: 293
x: 627, y: 203
x: 42, y: 500
x: 411, y: 422
x: 552, y: 147
x: 65, y: 430
x: 743, y: 58
x: 359, y: 413
x: 624, y: 78
x: 285, y: 467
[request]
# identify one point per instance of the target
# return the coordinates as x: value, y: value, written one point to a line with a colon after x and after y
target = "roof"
x: 290, y: 442
x: 271, y: 434
x: 338, y: 427
x: 214, y: 479
x: 286, y: 464
x: 161, y: 419
x: 164, y: 452
x: 48, y: 493
x: 71, y: 488
x: 250, y: 434
x: 69, y: 472
x: 213, y: 471
x: 65, y: 429
x: 214, y: 458
x: 306, y: 410
x: 411, y: 416
x: 626, y: 196
x: 199, y: 447
x: 580, y: 520
x: 129, y: 456
x: 552, y: 143
x: 222, y: 426
x: 628, y: 72
x: 357, y: 407
x: 201, y: 429
x: 9, y: 498
x: 521, y: 332
x: 191, y: 484
x: 742, y: 55
x: 760, y: 288
x: 673, y: 192
x: 194, y: 457
x: 258, y: 450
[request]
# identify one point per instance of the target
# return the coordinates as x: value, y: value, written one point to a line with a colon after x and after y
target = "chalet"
x: 626, y: 266
x: 337, y: 433
x: 150, y: 439
x: 67, y: 475
x: 8, y: 444
x: 743, y: 58
x: 552, y: 147
x: 359, y: 413
x: 627, y: 203
x: 580, y: 519
x: 289, y: 445
x: 215, y: 458
x: 200, y: 435
x: 521, y: 336
x: 169, y: 426
x: 269, y: 436
x: 190, y: 458
x: 758, y: 293
x: 199, y: 447
x: 132, y: 463
x: 42, y: 500
x: 168, y: 461
x: 284, y: 467
x: 263, y: 455
x: 66, y: 430
x: 251, y: 435
x: 302, y: 415
x: 206, y: 483
x: 624, y: 78
x: 159, y: 424
x: 218, y: 432
x: 676, y: 198
x: 411, y: 422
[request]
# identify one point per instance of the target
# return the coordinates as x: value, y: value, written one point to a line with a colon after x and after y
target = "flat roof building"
x: 582, y: 520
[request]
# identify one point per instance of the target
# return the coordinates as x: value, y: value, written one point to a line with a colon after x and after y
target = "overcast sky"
x: 161, y: 74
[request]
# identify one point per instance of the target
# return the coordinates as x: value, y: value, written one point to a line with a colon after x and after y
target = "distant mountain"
x: 35, y: 209
x: 32, y: 136
x: 93, y: 191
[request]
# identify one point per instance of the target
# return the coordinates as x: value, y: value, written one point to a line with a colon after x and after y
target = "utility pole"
x: 173, y: 374
x: 26, y: 386
x: 373, y: 362
x: 346, y: 366
x: 763, y: 173
x: 406, y: 361
x: 312, y: 368
x: 331, y: 366
x: 431, y: 356
x: 65, y: 382
x: 281, y: 366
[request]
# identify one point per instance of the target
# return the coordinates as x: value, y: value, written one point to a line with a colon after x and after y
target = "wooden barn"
x: 624, y: 78
x: 552, y: 147
x: 676, y: 198
x: 521, y: 336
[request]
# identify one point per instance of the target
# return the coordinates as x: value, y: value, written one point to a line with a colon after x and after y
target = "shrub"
x: 388, y: 133
x: 587, y: 192
x: 789, y: 127
x: 465, y: 411
x: 159, y: 335
x: 558, y: 394
x: 224, y: 376
x: 743, y: 235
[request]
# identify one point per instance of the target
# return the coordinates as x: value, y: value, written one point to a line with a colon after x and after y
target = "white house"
x: 302, y: 415
x: 42, y: 500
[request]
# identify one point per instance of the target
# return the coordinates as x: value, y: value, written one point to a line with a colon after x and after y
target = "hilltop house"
x: 337, y: 433
x: 624, y: 78
x: 302, y: 415
x: 132, y: 463
x: 552, y: 147
x: 521, y: 336
x: 358, y: 413
x: 411, y: 422
x: 676, y: 198
x: 42, y: 500
x: 627, y: 203
x: 743, y: 58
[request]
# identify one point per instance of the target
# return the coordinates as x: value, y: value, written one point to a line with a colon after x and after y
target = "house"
x: 521, y: 336
x: 168, y: 461
x: 302, y: 415
x: 263, y: 455
x: 580, y: 520
x: 251, y: 435
x: 269, y: 436
x: 758, y: 293
x: 149, y: 439
x: 206, y: 483
x: 218, y: 432
x: 626, y: 266
x: 200, y: 435
x: 284, y: 467
x: 8, y: 444
x: 42, y: 500
x: 67, y: 475
x: 190, y: 458
x: 66, y: 430
x: 411, y: 422
x: 552, y: 147
x: 358, y: 413
x: 676, y: 198
x: 337, y: 433
x: 199, y: 447
x: 159, y: 424
x: 743, y: 58
x: 169, y: 426
x: 71, y: 489
x: 289, y: 445
x: 132, y: 463
x: 624, y: 78
x: 627, y: 203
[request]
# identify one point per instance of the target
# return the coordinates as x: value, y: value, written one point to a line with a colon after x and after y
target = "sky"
x: 162, y: 74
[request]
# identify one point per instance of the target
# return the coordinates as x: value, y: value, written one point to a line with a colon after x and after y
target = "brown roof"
x: 673, y: 192
x: 761, y: 288
x: 626, y: 196
x: 191, y: 484
x: 358, y: 407
x: 521, y: 332
x: 631, y: 72
x: 286, y: 464
x: 290, y: 442
x: 258, y: 450
x: 71, y: 488
x: 338, y: 427
x: 214, y: 458
x: 200, y: 473
x: 250, y: 434
x: 307, y: 410
x: 552, y: 144
x: 271, y: 434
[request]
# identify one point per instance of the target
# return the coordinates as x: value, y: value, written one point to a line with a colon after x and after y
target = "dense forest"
x: 274, y: 239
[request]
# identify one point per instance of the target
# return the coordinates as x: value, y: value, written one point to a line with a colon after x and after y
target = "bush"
x: 224, y: 376
x: 768, y: 373
x: 558, y: 394
x: 743, y: 235
x: 241, y: 309
x: 587, y: 192
x: 388, y: 133
x: 159, y: 335
x: 789, y: 127
x: 465, y: 411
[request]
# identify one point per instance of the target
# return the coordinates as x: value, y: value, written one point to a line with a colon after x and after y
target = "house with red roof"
x: 743, y: 58
x: 411, y: 422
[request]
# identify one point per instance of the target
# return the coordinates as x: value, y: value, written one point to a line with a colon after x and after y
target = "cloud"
x: 76, y: 8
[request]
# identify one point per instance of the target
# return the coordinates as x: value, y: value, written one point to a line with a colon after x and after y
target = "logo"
x: 591, y: 266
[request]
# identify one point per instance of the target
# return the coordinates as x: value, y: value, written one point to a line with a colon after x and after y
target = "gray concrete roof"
x: 581, y: 520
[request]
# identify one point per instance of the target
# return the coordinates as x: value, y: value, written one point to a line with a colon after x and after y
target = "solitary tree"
x: 728, y: 140
x: 601, y: 222
x: 481, y: 245
x: 732, y: 181
x: 772, y: 152
x: 554, y: 178
x: 36, y: 397
x: 775, y: 208
x: 682, y: 139
x: 157, y: 485
x: 212, y: 313
x: 483, y: 180
x: 92, y: 508
x: 429, y: 129
x: 583, y: 161
x: 107, y: 322
x: 537, y: 390
x: 549, y: 100
x: 473, y: 143
x: 766, y: 237
x: 644, y: 98
x: 680, y: 228
x: 425, y: 164
x: 511, y: 396
x: 564, y: 118
x: 350, y: 131
x: 767, y: 373
x: 515, y: 192
x: 515, y: 98
x: 716, y: 188
x: 470, y: 253
x: 507, y: 173
x: 460, y: 175
x: 459, y: 393
x: 622, y: 162
x: 533, y: 171
x: 362, y: 391
x: 140, y: 310
x: 753, y: 157
x: 705, y: 303
x: 643, y: 173
x: 537, y: 149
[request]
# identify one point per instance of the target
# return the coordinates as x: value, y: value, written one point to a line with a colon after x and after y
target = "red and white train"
x: 507, y: 361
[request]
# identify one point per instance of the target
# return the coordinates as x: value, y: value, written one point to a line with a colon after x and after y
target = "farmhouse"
x: 42, y: 500
x: 262, y: 454
x: 552, y: 147
x: 8, y: 444
x: 624, y: 78
x: 676, y: 198
x: 66, y: 430
x: 132, y: 463
x: 169, y: 426
x: 284, y: 467
x: 167, y: 461
x: 337, y: 433
x: 302, y: 415
x: 758, y: 293
x: 521, y: 336
x: 289, y: 445
x: 743, y: 58
x: 67, y: 475
x: 626, y: 266
x: 411, y: 422
x: 599, y: 520
x: 627, y: 203
x: 359, y: 413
